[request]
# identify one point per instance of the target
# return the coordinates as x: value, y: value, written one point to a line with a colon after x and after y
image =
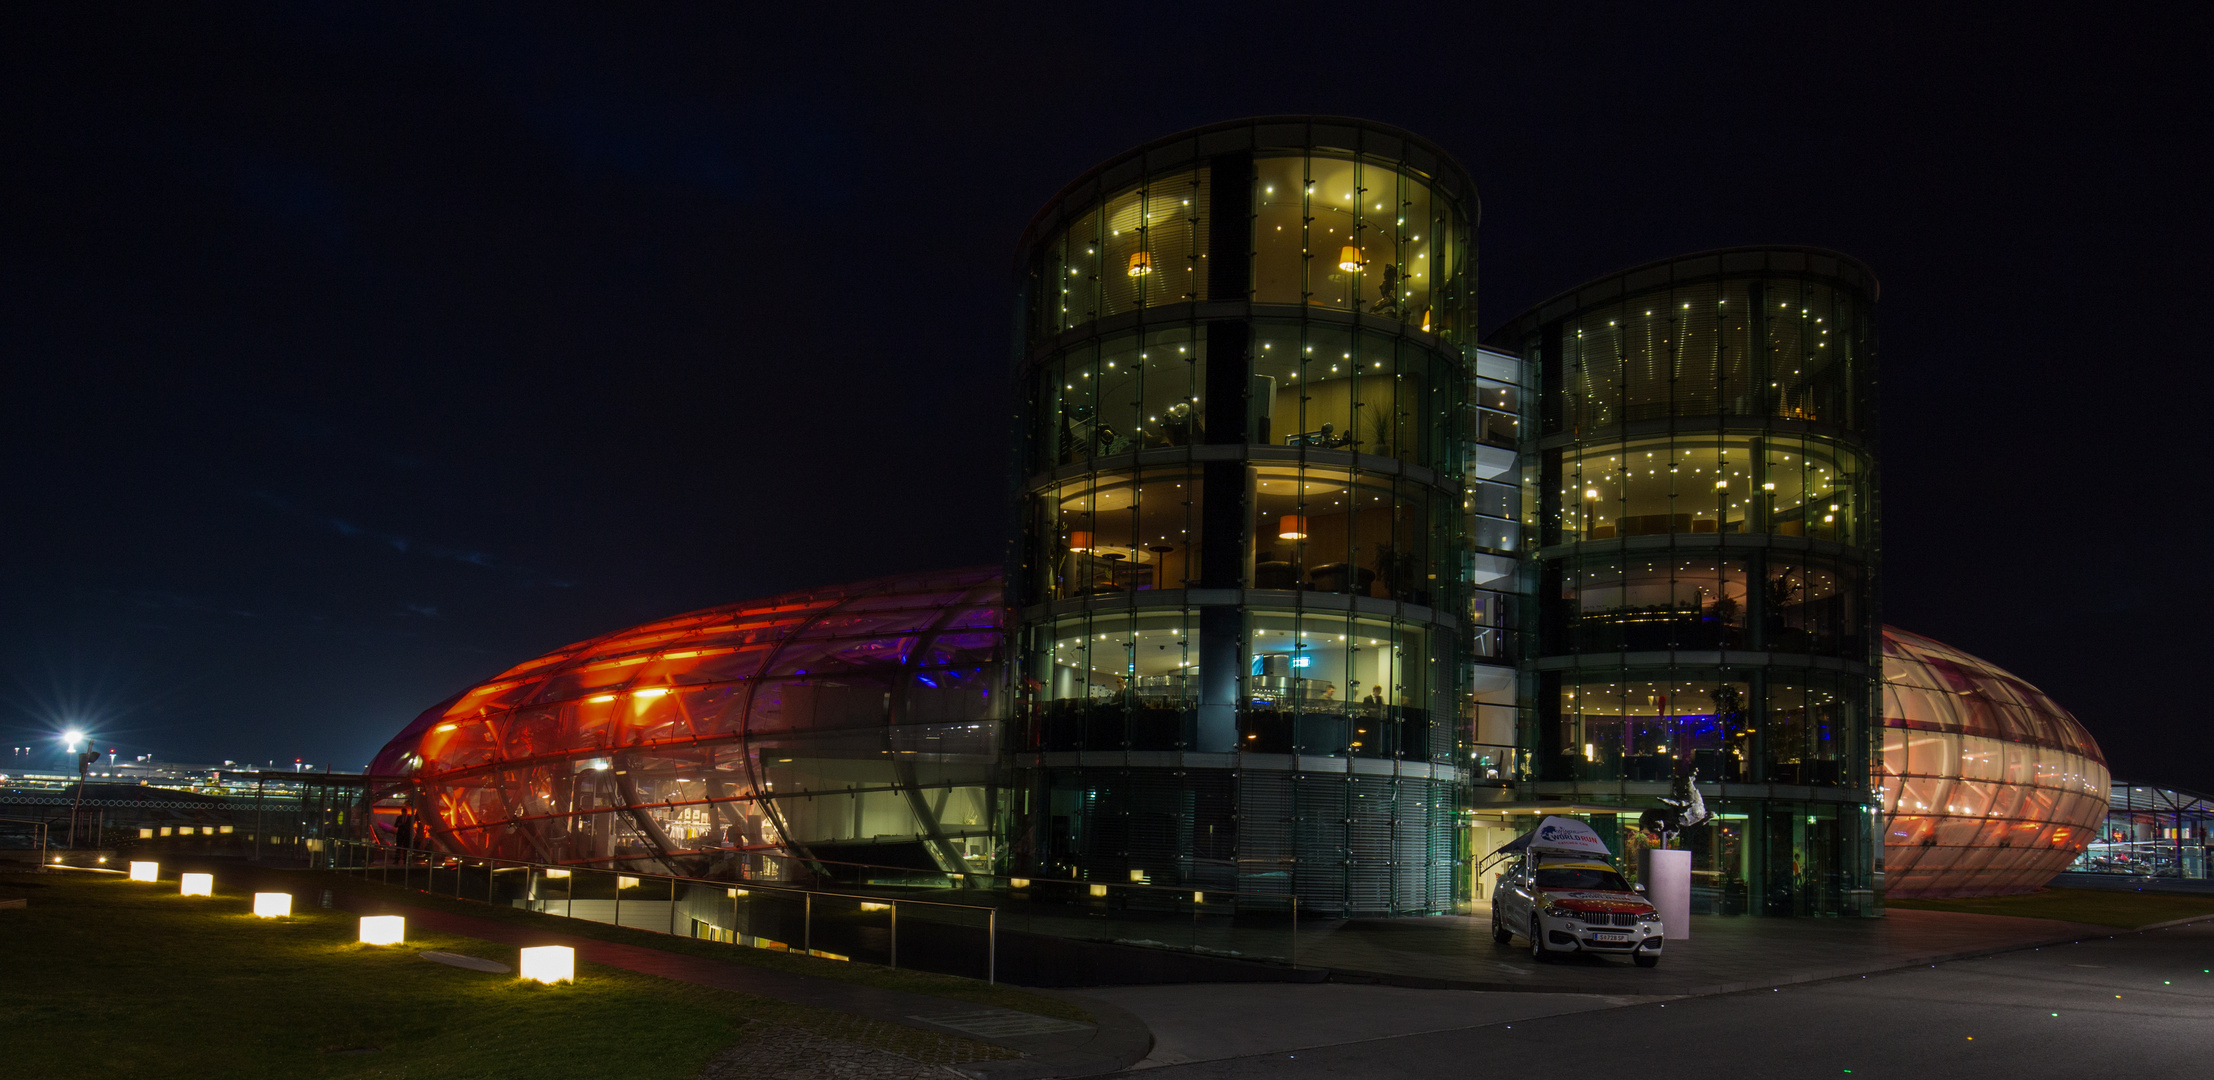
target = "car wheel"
x: 1500, y: 935
x: 1538, y: 951
x: 1646, y: 960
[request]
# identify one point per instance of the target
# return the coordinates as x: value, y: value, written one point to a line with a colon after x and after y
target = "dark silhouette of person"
x: 1387, y: 293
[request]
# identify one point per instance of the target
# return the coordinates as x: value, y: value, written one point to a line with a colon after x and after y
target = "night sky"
x: 352, y: 353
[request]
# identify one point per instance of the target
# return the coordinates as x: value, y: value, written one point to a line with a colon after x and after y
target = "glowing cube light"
x: 196, y: 885
x: 550, y: 964
x: 383, y: 929
x: 273, y: 905
x: 145, y: 871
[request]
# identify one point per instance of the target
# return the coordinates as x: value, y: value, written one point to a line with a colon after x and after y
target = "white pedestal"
x: 1666, y: 876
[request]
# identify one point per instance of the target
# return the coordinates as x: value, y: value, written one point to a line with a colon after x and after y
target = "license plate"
x: 1610, y: 937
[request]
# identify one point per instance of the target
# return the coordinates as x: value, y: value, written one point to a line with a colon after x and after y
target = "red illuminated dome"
x: 1988, y: 786
x: 857, y: 723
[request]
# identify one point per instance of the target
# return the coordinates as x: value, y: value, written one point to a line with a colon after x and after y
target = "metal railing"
x: 877, y: 917
x: 941, y: 936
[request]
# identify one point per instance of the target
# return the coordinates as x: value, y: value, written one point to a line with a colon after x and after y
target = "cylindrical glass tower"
x: 1242, y: 626
x: 1703, y: 490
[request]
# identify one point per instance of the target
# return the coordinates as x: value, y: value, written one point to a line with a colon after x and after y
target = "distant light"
x: 383, y: 929
x: 196, y: 885
x: 1099, y: 890
x: 557, y: 873
x: 145, y: 871
x: 550, y: 964
x: 273, y: 905
x: 625, y: 881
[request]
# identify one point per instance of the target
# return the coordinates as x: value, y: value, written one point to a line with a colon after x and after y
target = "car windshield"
x: 1565, y: 877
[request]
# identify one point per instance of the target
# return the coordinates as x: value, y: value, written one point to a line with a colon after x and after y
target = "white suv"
x: 1573, y: 903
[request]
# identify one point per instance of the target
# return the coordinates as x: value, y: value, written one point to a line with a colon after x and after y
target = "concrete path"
x: 1723, y: 955
x: 1208, y: 1023
x: 2126, y: 1003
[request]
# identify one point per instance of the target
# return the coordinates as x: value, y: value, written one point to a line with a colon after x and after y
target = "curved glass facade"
x: 1339, y: 215
x: 1245, y: 519
x: 854, y: 724
x: 1987, y: 786
x: 1700, y: 491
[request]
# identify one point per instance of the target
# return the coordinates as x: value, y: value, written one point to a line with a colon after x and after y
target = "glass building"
x: 1244, y: 626
x: 850, y: 725
x: 1311, y: 596
x: 2152, y: 832
x: 1986, y: 785
x: 1701, y: 493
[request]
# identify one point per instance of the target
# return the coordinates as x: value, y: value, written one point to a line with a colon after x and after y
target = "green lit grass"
x: 108, y: 977
x: 913, y: 982
x: 2098, y: 906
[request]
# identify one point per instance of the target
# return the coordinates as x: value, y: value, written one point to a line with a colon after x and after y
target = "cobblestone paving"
x: 782, y: 1052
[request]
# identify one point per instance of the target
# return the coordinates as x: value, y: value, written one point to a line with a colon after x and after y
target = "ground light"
x: 383, y: 929
x: 196, y: 885
x: 273, y: 905
x: 550, y: 964
x: 145, y: 871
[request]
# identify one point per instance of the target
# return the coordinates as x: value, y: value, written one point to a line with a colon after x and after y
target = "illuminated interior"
x: 1331, y: 229
x: 1988, y: 786
x: 1713, y: 484
x: 854, y: 724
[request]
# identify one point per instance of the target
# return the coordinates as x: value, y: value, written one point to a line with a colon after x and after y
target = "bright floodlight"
x: 197, y: 885
x: 550, y: 963
x: 145, y: 871
x: 273, y: 905
x: 383, y: 929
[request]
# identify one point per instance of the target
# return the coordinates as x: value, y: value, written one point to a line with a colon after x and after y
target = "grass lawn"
x: 914, y: 982
x: 108, y: 977
x: 2100, y: 906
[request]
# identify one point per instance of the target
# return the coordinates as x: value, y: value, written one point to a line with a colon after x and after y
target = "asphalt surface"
x: 2139, y: 1003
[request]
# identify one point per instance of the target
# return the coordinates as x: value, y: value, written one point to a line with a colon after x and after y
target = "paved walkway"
x: 1213, y: 1022
x: 1723, y: 955
x: 2126, y: 1003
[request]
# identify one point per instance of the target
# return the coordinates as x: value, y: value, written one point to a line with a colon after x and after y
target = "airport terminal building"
x: 1310, y: 593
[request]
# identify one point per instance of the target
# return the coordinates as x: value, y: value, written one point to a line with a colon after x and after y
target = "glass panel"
x: 1707, y: 349
x: 1120, y: 533
x: 1120, y: 394
x: 1331, y: 389
x: 1350, y: 235
x: 1807, y: 731
x: 1660, y: 602
x: 1143, y: 246
x: 1334, y: 530
x: 1116, y: 682
x: 1341, y: 686
x: 1712, y: 484
x: 1646, y: 729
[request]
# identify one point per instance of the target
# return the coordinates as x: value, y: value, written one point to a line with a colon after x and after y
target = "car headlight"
x: 1559, y: 912
x: 1649, y: 916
